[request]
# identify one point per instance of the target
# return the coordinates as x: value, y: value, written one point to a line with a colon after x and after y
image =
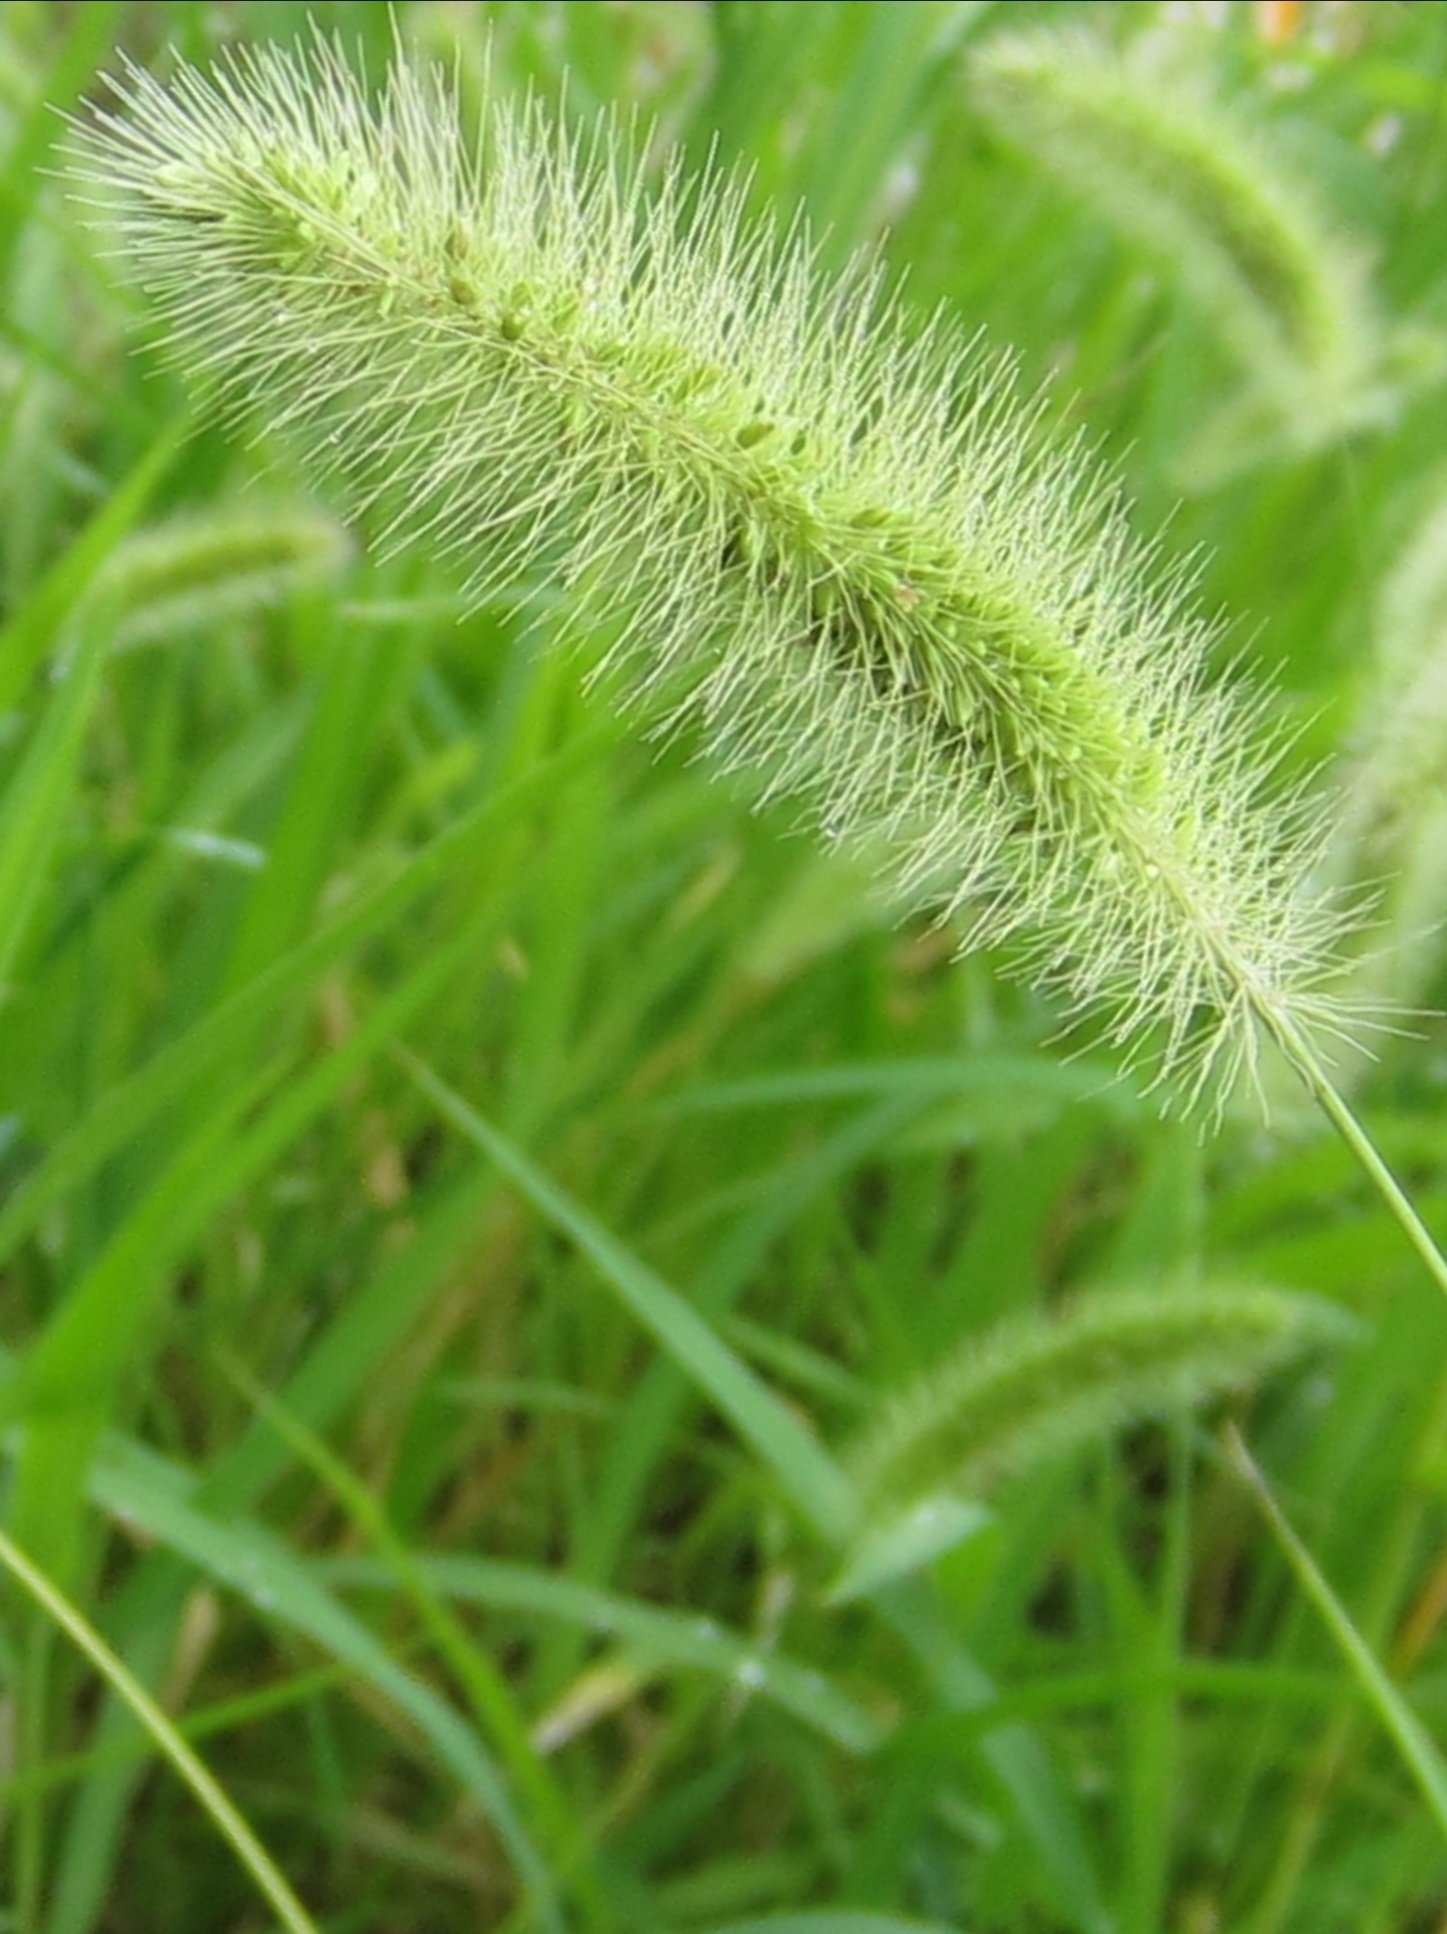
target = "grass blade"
x: 229, y: 1823
x: 1414, y: 1743
x: 804, y: 1470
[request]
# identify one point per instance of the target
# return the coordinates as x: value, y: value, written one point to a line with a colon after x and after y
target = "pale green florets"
x: 832, y: 537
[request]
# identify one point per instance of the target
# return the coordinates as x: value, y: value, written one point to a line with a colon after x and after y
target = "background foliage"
x: 581, y: 1161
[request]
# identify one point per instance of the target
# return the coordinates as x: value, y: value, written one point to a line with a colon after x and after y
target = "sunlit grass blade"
x: 229, y: 1823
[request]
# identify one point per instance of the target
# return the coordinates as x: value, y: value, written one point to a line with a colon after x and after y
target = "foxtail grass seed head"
x: 1037, y: 1386
x: 1203, y: 189
x: 829, y: 536
x: 193, y: 573
x: 1390, y: 840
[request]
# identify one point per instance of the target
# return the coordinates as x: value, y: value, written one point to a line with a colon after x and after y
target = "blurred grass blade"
x: 81, y: 51
x: 33, y: 809
x: 232, y: 1827
x: 990, y: 1084
x: 650, y: 1632
x: 903, y: 50
x: 30, y: 632
x: 120, y: 1114
x: 803, y: 1469
x: 142, y: 1490
x: 906, y: 1541
x: 829, y: 1920
x: 1047, y: 1805
x: 484, y: 1687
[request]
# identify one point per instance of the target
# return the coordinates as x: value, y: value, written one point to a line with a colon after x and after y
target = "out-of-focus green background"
x: 466, y: 1180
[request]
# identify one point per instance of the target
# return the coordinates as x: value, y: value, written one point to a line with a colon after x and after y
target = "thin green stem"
x: 1407, y: 1733
x: 1393, y: 1563
x: 1303, y: 1057
x: 244, y: 1843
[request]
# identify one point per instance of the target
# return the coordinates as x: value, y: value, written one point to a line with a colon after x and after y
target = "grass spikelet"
x: 1391, y: 836
x: 1202, y: 189
x: 831, y: 537
x: 196, y: 571
x: 1411, y: 605
x: 1035, y: 1388
x: 1399, y: 764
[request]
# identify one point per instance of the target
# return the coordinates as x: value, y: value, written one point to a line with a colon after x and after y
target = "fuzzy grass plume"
x: 197, y: 571
x: 1039, y: 1386
x: 1203, y: 190
x: 1391, y: 835
x: 832, y: 537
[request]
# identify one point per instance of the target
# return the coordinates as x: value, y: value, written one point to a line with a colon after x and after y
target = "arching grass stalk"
x: 832, y: 540
x: 1338, y: 1111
